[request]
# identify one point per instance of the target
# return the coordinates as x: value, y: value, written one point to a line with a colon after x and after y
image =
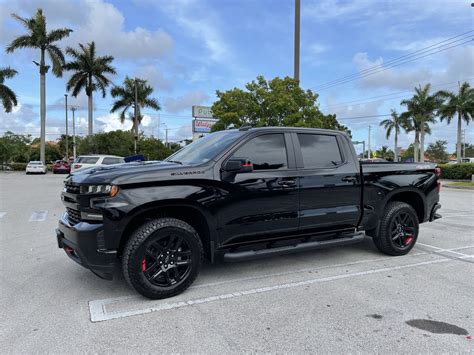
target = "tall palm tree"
x: 125, y: 100
x: 396, y: 124
x: 463, y: 105
x: 7, y: 95
x: 421, y: 111
x: 89, y: 74
x: 38, y: 37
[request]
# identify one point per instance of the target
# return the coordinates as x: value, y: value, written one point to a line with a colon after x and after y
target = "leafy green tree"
x: 408, y: 153
x: 437, y: 151
x: 52, y: 153
x: 421, y: 111
x: 115, y: 143
x: 385, y: 153
x: 461, y: 104
x: 125, y: 100
x: 38, y: 37
x: 88, y: 74
x: 469, y: 149
x: 154, y: 149
x: 278, y: 102
x: 14, y: 147
x: 62, y: 144
x: 7, y: 95
x: 396, y: 124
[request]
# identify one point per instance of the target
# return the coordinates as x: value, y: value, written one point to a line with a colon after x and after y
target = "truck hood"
x: 134, y: 172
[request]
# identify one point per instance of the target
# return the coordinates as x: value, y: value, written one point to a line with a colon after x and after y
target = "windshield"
x: 205, y: 148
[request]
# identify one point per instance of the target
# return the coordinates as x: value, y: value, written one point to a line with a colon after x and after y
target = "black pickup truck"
x: 235, y: 195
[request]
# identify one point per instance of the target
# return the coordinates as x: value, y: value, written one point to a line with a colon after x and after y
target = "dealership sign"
x: 203, y: 125
x: 202, y: 112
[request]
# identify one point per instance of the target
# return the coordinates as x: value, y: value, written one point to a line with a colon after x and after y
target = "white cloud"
x: 92, y: 20
x: 155, y: 77
x: 445, y: 67
x: 200, y: 22
x: 185, y: 102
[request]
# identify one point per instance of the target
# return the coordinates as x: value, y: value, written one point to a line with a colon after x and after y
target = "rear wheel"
x: 398, y: 230
x: 162, y: 258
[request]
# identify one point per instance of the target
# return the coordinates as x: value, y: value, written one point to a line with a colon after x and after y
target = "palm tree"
x: 133, y: 89
x: 463, y: 105
x: 7, y: 95
x: 421, y: 110
x: 89, y: 71
x: 38, y: 37
x: 396, y: 124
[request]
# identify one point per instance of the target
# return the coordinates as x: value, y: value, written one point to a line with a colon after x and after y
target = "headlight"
x: 110, y: 190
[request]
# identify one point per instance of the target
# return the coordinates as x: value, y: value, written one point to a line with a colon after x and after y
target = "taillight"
x: 438, y: 172
x: 77, y: 166
x: 438, y: 183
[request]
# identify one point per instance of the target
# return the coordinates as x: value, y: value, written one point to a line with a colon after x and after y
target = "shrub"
x: 462, y: 171
x: 18, y: 166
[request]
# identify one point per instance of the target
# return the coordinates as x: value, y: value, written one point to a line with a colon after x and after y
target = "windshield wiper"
x: 175, y: 161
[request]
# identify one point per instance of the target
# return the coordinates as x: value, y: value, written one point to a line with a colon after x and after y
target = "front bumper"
x: 84, y: 243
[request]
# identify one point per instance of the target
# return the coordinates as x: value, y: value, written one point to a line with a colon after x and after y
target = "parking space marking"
x: 38, y: 216
x: 2, y: 214
x: 98, y: 310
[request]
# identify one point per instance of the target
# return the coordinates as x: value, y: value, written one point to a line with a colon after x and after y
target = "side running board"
x: 256, y: 254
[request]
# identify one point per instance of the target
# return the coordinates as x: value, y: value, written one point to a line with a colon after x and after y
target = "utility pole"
x: 464, y: 143
x: 297, y: 41
x: 368, y: 146
x: 73, y: 109
x: 65, y: 106
x: 135, y: 121
x: 166, y: 144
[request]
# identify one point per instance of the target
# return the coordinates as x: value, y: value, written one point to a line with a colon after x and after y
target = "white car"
x: 87, y: 161
x: 36, y: 167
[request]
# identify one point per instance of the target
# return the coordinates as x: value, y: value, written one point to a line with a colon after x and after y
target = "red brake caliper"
x: 408, y: 240
x: 143, y: 265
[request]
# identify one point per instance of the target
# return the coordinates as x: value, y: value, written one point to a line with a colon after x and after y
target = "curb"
x: 467, y: 188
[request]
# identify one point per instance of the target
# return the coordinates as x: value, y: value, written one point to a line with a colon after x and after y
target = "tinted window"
x: 87, y: 160
x: 205, y: 148
x: 265, y: 152
x: 319, y: 151
x: 108, y: 161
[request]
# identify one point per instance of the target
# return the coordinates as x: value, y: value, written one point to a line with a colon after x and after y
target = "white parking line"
x: 38, y: 216
x: 439, y: 250
x: 2, y: 214
x: 98, y: 311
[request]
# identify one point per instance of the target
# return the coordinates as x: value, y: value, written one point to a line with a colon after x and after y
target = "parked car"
x: 87, y: 161
x: 61, y: 167
x: 237, y: 195
x: 36, y: 167
x: 373, y: 160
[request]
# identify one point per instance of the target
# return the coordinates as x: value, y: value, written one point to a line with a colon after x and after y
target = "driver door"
x: 263, y: 203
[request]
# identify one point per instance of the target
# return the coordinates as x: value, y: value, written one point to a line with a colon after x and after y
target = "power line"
x: 396, y: 62
x: 392, y: 95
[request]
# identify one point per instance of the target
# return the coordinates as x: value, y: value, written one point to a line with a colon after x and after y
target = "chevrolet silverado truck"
x: 240, y: 194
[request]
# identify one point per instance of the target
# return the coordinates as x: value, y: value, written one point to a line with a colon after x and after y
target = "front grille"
x: 74, y: 216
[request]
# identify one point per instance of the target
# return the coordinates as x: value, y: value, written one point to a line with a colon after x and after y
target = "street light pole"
x: 368, y: 146
x: 297, y: 41
x: 67, y: 147
x: 135, y: 121
x: 73, y: 109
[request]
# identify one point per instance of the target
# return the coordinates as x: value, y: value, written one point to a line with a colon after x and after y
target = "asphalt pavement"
x: 344, y: 299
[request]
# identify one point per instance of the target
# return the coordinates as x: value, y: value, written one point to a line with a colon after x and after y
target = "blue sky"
x: 188, y: 49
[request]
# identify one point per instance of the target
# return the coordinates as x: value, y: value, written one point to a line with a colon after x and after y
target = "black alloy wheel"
x: 162, y: 258
x: 398, y: 229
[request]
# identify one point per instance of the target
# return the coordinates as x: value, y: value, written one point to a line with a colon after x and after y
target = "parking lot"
x: 342, y: 299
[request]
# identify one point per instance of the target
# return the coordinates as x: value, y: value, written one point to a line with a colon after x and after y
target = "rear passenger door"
x: 329, y: 182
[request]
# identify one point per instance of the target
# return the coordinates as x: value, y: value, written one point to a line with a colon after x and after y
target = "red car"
x: 61, y: 166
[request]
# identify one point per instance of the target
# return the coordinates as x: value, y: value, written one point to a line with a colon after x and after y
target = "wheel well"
x: 190, y: 215
x: 414, y: 200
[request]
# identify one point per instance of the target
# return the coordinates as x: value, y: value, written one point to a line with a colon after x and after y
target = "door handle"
x: 287, y: 183
x: 349, y: 179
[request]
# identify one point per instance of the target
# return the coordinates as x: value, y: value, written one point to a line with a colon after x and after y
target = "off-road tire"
x: 383, y: 240
x: 135, y: 250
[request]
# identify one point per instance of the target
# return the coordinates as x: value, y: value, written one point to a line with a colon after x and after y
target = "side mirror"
x: 238, y: 166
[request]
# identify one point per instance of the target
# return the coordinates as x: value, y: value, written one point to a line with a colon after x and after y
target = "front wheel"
x: 398, y: 230
x: 162, y: 258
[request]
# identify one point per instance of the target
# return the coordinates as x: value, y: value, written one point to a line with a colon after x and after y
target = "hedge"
x: 462, y: 171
